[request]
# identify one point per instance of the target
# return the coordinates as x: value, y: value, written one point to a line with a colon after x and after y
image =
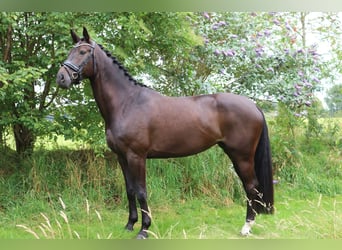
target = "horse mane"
x: 121, y: 67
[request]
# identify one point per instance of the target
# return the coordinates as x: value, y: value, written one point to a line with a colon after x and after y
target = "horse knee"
x: 141, y: 195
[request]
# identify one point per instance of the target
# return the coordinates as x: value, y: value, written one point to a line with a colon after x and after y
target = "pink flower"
x: 308, y: 103
x: 206, y: 15
x: 315, y: 79
x: 308, y: 85
x: 298, y: 87
x: 267, y: 33
x: 276, y: 22
x: 222, y: 23
x: 229, y: 52
x: 288, y: 26
x: 217, y: 52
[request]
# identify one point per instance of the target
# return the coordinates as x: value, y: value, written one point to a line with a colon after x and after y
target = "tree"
x: 28, y: 43
x: 334, y: 99
x: 33, y: 45
x: 265, y: 56
x: 262, y: 55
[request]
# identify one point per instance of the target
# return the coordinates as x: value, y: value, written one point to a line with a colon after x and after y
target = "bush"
x: 302, y: 152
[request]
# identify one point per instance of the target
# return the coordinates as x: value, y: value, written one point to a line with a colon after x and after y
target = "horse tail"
x: 263, y: 170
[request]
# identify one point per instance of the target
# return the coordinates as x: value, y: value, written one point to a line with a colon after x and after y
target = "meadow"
x: 68, y: 191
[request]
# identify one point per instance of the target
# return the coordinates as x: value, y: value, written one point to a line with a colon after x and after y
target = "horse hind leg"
x: 245, y: 170
x: 254, y: 199
x: 137, y: 166
x: 134, y: 170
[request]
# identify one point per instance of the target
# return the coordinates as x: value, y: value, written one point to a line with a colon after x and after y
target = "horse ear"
x: 74, y: 36
x: 86, y: 35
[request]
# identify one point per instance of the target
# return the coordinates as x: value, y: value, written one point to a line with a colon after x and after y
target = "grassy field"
x: 298, y: 216
x: 64, y: 193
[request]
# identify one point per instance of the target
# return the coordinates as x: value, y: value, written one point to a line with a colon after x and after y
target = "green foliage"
x: 334, y: 99
x: 284, y: 135
x: 305, y: 158
x: 262, y: 55
x: 208, y: 174
x: 29, y: 61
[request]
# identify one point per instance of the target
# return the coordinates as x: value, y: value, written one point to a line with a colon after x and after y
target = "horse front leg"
x: 137, y: 168
x: 131, y: 197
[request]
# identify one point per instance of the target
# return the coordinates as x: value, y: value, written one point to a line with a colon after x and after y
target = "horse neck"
x: 111, y: 87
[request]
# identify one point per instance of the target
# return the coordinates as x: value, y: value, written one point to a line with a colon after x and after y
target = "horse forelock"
x: 121, y: 67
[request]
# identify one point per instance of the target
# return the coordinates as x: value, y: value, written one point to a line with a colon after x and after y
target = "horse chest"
x: 111, y: 140
x: 121, y: 140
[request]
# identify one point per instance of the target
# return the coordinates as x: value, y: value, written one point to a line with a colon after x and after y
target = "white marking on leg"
x: 246, y: 229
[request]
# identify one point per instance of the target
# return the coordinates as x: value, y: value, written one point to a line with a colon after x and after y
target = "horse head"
x: 80, y: 63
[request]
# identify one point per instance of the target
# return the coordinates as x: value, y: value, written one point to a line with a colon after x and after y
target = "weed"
x: 61, y: 228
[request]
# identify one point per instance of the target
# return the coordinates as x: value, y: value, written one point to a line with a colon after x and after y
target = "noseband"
x: 76, y: 71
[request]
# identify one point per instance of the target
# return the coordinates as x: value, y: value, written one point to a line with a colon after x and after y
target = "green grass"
x: 190, y: 198
x: 183, y: 201
x: 298, y: 216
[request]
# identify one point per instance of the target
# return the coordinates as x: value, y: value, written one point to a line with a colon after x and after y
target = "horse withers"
x: 141, y: 123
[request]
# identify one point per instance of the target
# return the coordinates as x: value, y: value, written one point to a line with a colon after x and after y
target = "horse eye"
x: 82, y: 52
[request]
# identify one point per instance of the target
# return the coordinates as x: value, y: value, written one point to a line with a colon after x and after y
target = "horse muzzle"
x: 63, y: 79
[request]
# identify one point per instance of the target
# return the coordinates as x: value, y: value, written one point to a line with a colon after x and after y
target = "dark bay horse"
x: 141, y: 123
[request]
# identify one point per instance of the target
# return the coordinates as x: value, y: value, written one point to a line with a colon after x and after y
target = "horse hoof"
x: 142, y: 235
x: 129, y: 227
x: 245, y: 233
x: 246, y: 229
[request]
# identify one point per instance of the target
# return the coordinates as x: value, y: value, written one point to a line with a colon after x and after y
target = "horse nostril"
x: 61, y: 78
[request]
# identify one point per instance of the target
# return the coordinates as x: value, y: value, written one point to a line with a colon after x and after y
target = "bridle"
x: 76, y: 70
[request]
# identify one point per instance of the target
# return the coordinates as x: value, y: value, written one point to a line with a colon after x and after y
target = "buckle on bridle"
x: 74, y: 75
x: 75, y: 70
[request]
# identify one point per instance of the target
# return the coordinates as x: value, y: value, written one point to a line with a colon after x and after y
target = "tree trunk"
x: 24, y: 139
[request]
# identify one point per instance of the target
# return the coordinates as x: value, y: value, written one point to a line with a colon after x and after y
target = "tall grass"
x: 59, y: 227
x: 309, y: 158
x: 83, y: 174
x: 33, y: 185
x: 206, y: 175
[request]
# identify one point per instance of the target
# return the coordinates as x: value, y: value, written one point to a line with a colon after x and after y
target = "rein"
x: 76, y: 73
